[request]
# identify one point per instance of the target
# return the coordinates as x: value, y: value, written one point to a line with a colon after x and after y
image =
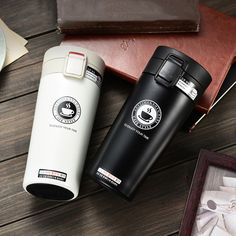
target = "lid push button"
x: 75, y: 65
x: 169, y: 72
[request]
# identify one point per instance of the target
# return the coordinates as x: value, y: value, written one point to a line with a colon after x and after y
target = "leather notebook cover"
x: 130, y: 16
x: 214, y: 47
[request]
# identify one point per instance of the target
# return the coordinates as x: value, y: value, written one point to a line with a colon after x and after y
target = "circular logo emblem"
x: 146, y: 114
x: 66, y: 110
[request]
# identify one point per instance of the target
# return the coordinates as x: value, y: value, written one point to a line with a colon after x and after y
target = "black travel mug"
x: 162, y: 100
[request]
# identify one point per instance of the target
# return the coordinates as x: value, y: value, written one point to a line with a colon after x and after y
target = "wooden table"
x: 158, y: 206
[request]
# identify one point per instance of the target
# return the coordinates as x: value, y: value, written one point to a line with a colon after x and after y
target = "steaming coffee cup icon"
x: 145, y: 116
x: 67, y: 112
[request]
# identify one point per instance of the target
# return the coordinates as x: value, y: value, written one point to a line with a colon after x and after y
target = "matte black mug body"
x: 148, y: 120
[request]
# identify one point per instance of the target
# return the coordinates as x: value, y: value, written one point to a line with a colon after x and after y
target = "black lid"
x: 190, y: 66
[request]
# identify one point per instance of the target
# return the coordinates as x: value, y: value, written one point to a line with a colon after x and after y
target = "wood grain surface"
x: 29, y: 18
x: 158, y: 207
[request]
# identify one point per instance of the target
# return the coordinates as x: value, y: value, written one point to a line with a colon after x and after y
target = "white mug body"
x: 63, y: 121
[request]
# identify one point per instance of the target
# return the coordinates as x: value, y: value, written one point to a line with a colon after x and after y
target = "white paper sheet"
x: 15, y: 44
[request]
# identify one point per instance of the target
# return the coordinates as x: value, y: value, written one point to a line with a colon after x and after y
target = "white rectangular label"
x: 109, y: 175
x: 52, y: 174
x: 188, y: 88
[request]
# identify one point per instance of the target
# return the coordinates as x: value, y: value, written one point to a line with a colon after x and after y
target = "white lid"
x: 72, y: 61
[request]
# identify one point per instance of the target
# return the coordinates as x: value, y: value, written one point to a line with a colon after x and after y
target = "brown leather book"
x: 130, y: 16
x: 214, y: 47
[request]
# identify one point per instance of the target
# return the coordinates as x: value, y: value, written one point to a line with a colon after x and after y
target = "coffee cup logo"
x: 146, y: 114
x: 66, y: 110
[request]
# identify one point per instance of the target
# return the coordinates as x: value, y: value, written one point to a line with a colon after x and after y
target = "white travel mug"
x: 66, y: 106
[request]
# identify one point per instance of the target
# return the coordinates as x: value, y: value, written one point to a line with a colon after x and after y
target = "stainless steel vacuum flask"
x: 163, y: 98
x: 66, y: 105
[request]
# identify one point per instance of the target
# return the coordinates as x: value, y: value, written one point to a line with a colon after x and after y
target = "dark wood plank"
x: 29, y: 18
x: 19, y: 82
x: 15, y: 125
x: 156, y: 210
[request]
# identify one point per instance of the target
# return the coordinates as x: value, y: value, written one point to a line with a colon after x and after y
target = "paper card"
x: 15, y: 44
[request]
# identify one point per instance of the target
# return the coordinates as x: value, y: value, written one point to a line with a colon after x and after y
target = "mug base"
x: 112, y: 189
x: 50, y: 192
